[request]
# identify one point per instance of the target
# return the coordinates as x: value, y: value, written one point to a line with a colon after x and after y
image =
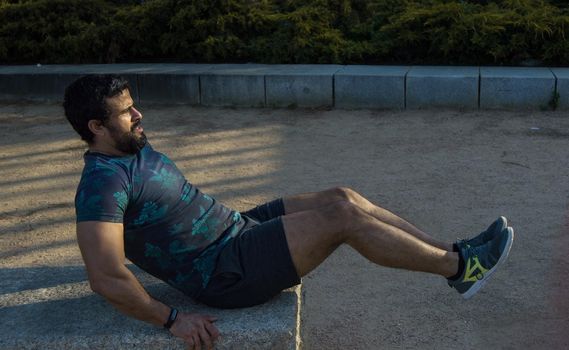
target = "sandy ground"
x: 450, y: 173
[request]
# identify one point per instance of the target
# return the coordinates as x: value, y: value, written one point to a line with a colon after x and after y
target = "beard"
x: 128, y: 142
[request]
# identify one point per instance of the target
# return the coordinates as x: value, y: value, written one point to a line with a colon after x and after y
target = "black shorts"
x: 256, y: 265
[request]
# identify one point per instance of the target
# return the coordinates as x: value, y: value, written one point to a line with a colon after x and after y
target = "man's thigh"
x: 313, y: 235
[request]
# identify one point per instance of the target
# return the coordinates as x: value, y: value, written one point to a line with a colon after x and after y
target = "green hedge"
x: 500, y: 32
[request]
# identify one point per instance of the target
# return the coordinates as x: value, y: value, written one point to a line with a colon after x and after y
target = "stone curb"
x: 351, y: 86
x: 54, y: 308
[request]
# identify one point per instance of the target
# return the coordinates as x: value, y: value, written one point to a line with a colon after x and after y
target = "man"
x: 132, y: 201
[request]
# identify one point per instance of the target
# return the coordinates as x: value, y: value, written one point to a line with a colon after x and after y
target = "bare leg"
x: 315, y: 200
x: 314, y: 234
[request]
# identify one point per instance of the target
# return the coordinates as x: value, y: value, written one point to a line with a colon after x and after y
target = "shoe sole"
x: 479, y: 284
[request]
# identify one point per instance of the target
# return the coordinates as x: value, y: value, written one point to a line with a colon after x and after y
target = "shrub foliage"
x: 499, y: 32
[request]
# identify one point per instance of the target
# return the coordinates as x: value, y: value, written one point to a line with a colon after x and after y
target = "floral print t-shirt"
x: 171, y: 229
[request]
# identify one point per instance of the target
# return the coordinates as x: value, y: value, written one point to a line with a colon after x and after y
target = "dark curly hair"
x: 85, y: 100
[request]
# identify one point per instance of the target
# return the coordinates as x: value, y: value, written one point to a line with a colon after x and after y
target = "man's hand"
x: 195, y: 330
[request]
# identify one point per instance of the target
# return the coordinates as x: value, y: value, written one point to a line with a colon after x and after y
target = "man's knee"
x: 343, y: 214
x: 344, y: 194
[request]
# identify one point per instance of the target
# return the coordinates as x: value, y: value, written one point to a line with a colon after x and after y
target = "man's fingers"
x: 212, y: 330
x: 197, y: 342
x: 211, y: 318
x: 190, y: 342
x: 206, y: 339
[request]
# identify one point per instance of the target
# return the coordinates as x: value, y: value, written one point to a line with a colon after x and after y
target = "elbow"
x: 107, y: 284
x: 99, y: 286
x: 96, y: 286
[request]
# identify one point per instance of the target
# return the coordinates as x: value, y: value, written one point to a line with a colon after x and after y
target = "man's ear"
x: 96, y: 127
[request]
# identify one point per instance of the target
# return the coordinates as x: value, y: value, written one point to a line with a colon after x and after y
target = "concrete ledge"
x: 370, y: 87
x: 300, y: 85
x: 515, y: 87
x: 261, y: 85
x: 34, y: 87
x: 48, y: 83
x: 53, y: 308
x: 169, y: 88
x: 171, y: 83
x: 562, y: 86
x: 234, y: 85
x: 446, y: 87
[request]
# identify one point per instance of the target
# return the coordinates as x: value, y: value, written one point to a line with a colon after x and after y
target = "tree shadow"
x: 53, y: 307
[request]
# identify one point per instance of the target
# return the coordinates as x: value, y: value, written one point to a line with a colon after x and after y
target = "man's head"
x: 100, y: 109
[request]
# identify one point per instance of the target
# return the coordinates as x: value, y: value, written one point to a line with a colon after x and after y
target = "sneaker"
x: 481, y: 262
x: 485, y: 236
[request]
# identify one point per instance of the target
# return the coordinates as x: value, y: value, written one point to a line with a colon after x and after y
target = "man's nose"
x: 135, y: 114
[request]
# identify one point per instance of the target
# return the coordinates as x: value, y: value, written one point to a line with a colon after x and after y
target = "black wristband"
x: 171, y: 318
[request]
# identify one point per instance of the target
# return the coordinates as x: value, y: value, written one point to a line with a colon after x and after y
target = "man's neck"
x: 107, y: 150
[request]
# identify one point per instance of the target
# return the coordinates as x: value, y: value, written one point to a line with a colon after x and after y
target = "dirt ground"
x: 450, y: 173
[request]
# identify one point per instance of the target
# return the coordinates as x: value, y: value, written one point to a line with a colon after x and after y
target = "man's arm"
x: 102, y: 248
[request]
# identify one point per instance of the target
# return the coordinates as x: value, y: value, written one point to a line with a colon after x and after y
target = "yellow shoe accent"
x: 469, y: 274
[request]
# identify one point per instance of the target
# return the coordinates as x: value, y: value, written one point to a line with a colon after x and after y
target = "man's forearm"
x: 123, y: 291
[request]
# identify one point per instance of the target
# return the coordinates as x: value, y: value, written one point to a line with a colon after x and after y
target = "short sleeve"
x: 102, y: 195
